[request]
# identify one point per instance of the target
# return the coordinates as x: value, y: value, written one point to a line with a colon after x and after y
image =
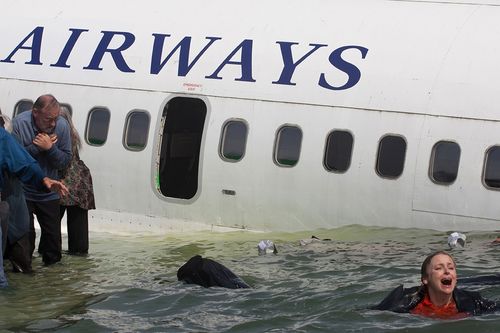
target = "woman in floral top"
x: 81, y: 195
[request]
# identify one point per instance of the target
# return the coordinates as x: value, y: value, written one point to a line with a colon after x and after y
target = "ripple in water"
x: 129, y: 284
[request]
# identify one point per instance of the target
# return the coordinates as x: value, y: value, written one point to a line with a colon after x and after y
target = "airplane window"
x: 22, y: 106
x: 233, y: 140
x: 287, y: 148
x: 491, y: 175
x: 391, y: 156
x: 338, y: 151
x: 27, y: 105
x: 135, y: 136
x: 96, y: 133
x: 445, y: 159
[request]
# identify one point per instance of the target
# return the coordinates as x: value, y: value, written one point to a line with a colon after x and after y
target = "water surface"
x: 129, y: 284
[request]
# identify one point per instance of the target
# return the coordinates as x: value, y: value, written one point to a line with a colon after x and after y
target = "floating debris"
x: 266, y: 246
x: 456, y: 239
x: 313, y: 239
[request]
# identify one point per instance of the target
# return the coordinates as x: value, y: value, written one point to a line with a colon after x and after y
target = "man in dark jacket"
x: 437, y: 296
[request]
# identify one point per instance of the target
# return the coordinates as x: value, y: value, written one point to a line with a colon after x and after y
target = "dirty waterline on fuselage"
x: 129, y: 284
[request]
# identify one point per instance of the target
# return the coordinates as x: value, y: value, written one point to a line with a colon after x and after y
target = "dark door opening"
x: 184, y: 119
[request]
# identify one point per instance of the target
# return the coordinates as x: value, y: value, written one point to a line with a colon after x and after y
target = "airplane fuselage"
x: 283, y: 116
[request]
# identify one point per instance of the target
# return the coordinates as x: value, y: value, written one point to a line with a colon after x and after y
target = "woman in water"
x: 438, y: 296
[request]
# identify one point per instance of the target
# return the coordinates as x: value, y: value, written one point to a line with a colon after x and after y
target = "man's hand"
x: 44, y: 141
x: 56, y: 186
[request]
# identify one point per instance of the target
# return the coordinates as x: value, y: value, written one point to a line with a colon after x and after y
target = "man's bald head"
x: 45, y: 112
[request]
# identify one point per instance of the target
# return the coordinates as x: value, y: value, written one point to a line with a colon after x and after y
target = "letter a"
x: 35, y: 47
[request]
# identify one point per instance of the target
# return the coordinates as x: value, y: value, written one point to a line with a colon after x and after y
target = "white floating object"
x: 266, y: 246
x: 456, y: 239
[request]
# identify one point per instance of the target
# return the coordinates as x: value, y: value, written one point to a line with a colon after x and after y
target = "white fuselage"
x: 425, y: 71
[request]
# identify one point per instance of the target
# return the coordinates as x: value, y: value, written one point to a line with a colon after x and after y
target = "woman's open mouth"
x: 446, y: 281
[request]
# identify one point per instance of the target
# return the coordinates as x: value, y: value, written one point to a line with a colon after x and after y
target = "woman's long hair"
x: 76, y: 143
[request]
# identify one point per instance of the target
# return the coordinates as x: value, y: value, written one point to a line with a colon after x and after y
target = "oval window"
x: 97, y: 126
x: 287, y: 147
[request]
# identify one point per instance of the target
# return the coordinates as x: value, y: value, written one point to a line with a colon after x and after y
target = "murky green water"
x: 129, y: 284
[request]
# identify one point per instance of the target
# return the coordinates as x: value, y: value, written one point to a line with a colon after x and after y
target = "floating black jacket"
x: 403, y: 300
x: 209, y: 273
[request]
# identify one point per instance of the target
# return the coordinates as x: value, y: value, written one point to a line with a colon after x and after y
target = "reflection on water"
x: 129, y: 284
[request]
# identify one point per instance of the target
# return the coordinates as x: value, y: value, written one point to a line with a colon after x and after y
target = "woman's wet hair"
x: 427, y: 262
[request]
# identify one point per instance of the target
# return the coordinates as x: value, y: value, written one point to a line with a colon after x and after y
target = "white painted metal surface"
x: 430, y: 73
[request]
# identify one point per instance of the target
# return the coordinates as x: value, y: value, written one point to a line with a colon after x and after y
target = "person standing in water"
x: 80, y: 200
x: 17, y: 165
x: 438, y: 296
x: 46, y: 136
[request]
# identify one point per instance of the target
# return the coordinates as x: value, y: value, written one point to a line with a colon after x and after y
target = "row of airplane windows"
x: 135, y: 133
x: 443, y: 168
